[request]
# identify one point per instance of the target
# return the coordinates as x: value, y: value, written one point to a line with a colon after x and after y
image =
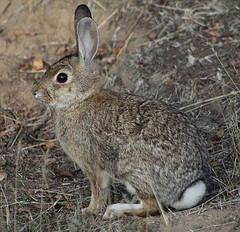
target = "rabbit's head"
x: 75, y: 77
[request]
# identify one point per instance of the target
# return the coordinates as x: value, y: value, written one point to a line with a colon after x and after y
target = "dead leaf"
x: 23, y: 210
x: 235, y: 63
x: 58, y: 196
x: 30, y: 191
x: 37, y: 64
x: 62, y: 154
x: 17, y: 126
x: 218, y: 25
x: 85, y: 204
x: 220, y: 133
x: 168, y: 81
x: 212, y: 142
x: 24, y: 113
x: 60, y: 50
x: 116, y: 50
x: 216, y: 163
x: 3, y: 175
x: 152, y: 35
x: 215, y: 33
x: 38, y: 206
x: 70, y: 205
x: 25, y: 66
x: 62, y: 172
x: 49, y: 145
x: 18, y: 32
x: 32, y: 32
x: 123, y: 10
x: 50, y: 161
x: 70, y: 50
x: 100, y: 50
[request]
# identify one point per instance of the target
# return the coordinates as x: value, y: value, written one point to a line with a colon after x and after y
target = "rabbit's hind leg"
x: 99, y: 186
x: 148, y: 206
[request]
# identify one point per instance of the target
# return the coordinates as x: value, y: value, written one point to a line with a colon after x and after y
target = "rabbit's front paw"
x: 93, y: 209
x: 86, y: 210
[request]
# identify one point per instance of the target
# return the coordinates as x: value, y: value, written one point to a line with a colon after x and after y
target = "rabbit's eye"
x: 62, y: 77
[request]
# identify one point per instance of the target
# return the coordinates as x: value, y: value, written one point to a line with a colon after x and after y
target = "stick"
x: 210, y: 99
x: 110, y: 16
x: 134, y: 24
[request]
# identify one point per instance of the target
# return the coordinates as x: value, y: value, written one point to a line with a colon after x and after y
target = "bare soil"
x: 185, y: 53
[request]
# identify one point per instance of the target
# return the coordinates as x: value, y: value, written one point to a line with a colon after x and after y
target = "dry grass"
x: 189, y: 64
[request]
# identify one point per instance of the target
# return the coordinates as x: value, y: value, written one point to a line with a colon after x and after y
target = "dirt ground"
x: 185, y: 53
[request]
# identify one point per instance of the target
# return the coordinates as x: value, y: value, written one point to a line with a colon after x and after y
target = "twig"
x: 132, y: 27
x: 23, y: 133
x: 41, y: 122
x: 8, y: 112
x: 99, y: 4
x: 54, y: 43
x: 110, y: 16
x: 170, y: 8
x: 6, y: 7
x: 16, y: 182
x: 125, y: 45
x: 170, y: 36
x: 194, y: 20
x: 160, y: 206
x: 34, y: 71
x: 39, y: 144
x: 14, y: 139
x: 19, y: 96
x: 210, y: 100
x: 224, y: 68
x: 7, y: 206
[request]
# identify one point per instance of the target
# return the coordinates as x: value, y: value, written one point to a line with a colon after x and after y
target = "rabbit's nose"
x: 34, y: 90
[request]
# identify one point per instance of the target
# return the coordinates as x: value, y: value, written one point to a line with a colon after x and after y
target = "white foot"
x: 118, y: 210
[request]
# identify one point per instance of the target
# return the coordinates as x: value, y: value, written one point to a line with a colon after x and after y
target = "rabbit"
x: 155, y: 150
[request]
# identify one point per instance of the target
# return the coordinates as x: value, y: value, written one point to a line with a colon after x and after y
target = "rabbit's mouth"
x: 40, y: 97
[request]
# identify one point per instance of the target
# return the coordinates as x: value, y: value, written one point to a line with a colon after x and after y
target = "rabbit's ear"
x: 87, y: 39
x: 82, y: 11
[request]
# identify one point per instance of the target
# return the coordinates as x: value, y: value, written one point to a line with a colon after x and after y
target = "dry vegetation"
x: 185, y: 53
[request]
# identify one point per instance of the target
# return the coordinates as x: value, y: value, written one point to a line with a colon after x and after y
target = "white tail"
x: 191, y: 196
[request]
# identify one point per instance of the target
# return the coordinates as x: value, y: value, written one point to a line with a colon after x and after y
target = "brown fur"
x: 151, y: 147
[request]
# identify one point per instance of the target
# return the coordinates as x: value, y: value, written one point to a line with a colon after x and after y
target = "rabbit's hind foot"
x: 144, y: 208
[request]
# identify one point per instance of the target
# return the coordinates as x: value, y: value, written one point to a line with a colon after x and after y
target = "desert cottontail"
x: 156, y: 151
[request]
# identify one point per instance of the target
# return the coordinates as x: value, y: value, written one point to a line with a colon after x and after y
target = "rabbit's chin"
x: 54, y: 104
x: 59, y: 105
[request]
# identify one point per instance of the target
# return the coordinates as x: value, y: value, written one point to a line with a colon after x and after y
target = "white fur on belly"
x: 130, y: 188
